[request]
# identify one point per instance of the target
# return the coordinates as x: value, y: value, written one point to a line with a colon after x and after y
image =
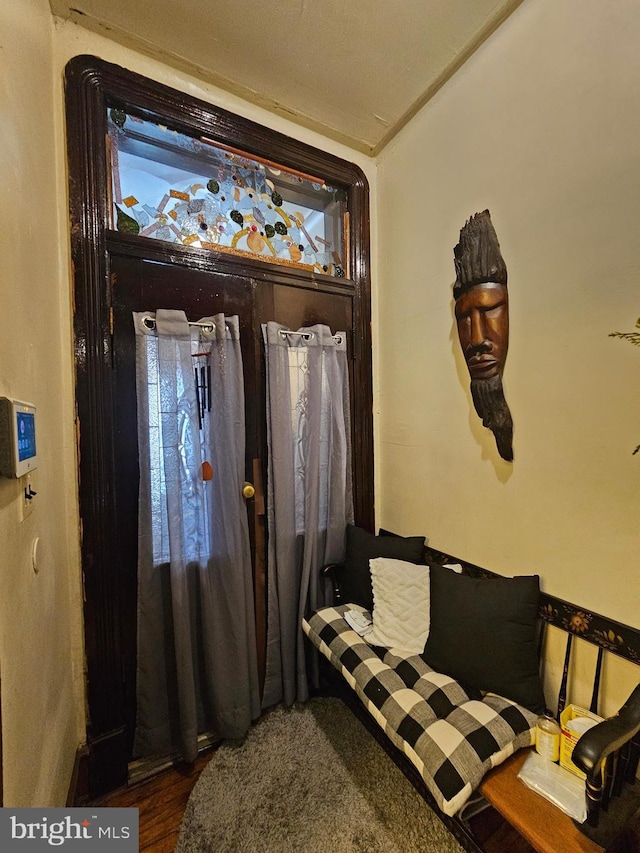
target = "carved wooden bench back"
x: 580, y: 625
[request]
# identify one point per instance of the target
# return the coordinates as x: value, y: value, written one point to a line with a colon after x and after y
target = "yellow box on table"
x: 574, y: 722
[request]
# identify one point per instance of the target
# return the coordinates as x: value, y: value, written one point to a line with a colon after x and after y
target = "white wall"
x: 541, y: 126
x: 40, y: 637
x: 41, y: 646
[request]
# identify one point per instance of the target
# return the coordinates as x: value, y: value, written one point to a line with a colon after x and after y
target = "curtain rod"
x: 307, y: 335
x: 150, y: 323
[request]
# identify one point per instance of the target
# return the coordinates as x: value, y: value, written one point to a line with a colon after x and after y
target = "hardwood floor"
x: 495, y: 835
x: 161, y: 801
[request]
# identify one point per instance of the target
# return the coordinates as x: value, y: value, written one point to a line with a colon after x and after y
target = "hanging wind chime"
x: 202, y: 376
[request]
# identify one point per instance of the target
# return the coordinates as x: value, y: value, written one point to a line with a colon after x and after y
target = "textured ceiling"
x: 355, y: 70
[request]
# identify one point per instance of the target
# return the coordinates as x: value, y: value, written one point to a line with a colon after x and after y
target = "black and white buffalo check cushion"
x: 452, y: 737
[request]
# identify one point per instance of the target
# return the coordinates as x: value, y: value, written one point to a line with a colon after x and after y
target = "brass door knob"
x: 248, y: 491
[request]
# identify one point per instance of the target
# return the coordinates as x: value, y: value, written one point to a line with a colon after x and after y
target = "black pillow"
x: 483, y: 634
x: 362, y: 546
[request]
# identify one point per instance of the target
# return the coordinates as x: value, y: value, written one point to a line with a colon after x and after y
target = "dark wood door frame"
x: 92, y: 86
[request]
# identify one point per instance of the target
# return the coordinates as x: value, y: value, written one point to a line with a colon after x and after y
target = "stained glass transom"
x: 193, y: 191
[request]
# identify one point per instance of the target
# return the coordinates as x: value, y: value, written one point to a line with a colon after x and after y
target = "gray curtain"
x: 197, y: 669
x: 309, y: 490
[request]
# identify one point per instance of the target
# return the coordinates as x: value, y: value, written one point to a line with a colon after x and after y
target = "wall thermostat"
x: 17, y: 438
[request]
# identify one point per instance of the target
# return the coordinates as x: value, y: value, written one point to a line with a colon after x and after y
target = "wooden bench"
x: 613, y: 796
x: 543, y: 825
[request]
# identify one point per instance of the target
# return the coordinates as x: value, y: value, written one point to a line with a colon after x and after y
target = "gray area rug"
x: 308, y: 778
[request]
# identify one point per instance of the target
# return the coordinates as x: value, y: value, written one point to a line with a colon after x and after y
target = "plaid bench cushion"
x: 452, y: 737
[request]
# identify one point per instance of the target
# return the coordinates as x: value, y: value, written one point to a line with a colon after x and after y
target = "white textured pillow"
x: 400, y: 604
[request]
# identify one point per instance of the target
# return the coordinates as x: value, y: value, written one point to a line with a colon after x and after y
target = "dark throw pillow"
x: 483, y: 634
x: 362, y: 546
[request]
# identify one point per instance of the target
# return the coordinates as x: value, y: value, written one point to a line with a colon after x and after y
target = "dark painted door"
x: 138, y: 284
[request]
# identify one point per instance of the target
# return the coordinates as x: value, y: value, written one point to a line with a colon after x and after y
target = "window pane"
x: 173, y: 187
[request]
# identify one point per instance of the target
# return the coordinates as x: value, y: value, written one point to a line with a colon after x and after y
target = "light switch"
x: 27, y: 496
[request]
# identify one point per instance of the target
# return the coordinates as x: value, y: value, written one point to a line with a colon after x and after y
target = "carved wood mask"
x: 482, y: 317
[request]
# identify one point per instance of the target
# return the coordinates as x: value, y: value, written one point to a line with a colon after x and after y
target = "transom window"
x: 197, y: 192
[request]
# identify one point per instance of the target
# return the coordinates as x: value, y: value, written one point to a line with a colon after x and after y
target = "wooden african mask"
x: 482, y: 317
